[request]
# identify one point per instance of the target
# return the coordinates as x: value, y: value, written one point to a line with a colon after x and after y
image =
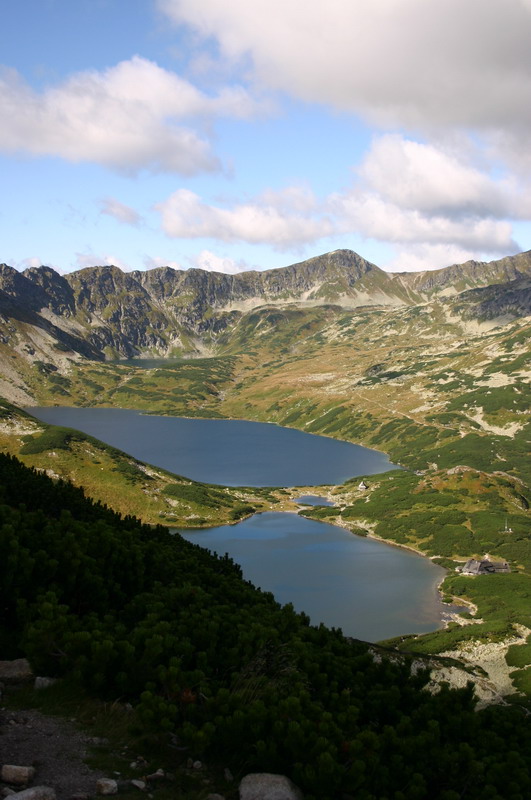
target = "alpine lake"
x: 369, y: 589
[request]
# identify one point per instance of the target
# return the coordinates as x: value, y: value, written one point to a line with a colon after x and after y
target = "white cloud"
x: 153, y: 262
x: 432, y: 199
x: 511, y: 148
x: 91, y: 259
x: 436, y: 181
x: 129, y: 117
x: 420, y: 257
x: 404, y: 192
x: 119, y: 211
x: 398, y: 62
x: 264, y: 220
x: 373, y: 217
x: 214, y: 263
x: 298, y: 199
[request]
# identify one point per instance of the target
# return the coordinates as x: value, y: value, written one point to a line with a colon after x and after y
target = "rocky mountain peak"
x: 57, y: 292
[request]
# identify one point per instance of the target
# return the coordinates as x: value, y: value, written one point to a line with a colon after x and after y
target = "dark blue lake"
x: 230, y: 452
x: 369, y: 589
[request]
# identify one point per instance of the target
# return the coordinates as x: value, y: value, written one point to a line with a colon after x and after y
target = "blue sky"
x: 230, y: 135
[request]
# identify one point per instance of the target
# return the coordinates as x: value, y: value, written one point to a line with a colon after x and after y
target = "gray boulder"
x: 16, y: 671
x: 106, y: 786
x: 37, y: 793
x: 17, y: 775
x: 43, y: 683
x: 266, y: 786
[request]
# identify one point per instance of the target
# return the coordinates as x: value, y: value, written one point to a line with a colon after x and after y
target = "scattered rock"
x: 266, y: 786
x: 197, y: 765
x: 106, y: 786
x: 229, y: 777
x: 16, y: 775
x: 16, y: 671
x: 139, y: 784
x: 5, y: 791
x: 159, y: 775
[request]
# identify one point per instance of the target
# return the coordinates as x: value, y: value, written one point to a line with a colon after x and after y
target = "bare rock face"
x: 98, y: 310
x: 509, y: 299
x: 266, y: 786
x: 55, y: 288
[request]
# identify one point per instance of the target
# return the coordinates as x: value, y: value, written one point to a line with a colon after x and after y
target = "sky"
x: 232, y: 135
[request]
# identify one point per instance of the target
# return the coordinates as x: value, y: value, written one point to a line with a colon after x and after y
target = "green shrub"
x: 53, y: 438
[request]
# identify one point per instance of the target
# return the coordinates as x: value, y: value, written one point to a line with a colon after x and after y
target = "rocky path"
x: 54, y: 747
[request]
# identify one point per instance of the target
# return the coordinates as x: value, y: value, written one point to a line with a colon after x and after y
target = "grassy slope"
x: 121, y: 481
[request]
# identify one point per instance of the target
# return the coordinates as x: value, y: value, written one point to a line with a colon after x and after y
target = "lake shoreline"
x: 425, y: 608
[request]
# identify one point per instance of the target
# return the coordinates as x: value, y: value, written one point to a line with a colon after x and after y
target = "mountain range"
x: 102, y: 312
x: 49, y: 322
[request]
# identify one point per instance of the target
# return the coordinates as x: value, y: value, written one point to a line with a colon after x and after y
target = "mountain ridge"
x: 102, y: 313
x: 338, y: 271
